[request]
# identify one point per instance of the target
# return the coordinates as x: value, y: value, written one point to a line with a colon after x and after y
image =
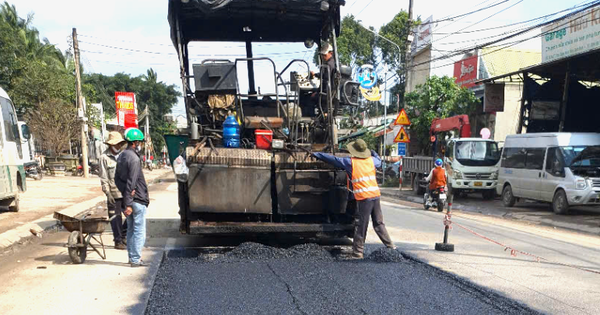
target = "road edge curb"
x: 25, y: 232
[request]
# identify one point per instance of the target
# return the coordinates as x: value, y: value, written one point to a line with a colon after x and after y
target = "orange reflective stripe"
x: 364, y: 182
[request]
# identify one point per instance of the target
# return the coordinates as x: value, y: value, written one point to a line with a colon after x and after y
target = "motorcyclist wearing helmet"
x: 437, y: 177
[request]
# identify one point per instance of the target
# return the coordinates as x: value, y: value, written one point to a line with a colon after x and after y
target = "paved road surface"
x: 579, y: 219
x: 39, y: 278
x: 548, y: 287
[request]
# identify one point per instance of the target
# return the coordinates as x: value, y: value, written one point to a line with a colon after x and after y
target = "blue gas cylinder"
x: 231, y: 132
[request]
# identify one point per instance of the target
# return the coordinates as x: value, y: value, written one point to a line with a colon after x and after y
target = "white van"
x: 472, y: 166
x: 560, y: 168
x: 12, y: 173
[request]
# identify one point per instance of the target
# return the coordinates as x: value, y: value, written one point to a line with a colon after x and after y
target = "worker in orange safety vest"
x: 360, y: 169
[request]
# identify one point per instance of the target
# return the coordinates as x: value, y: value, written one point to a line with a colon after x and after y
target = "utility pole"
x: 408, y: 54
x: 384, y: 124
x: 147, y: 134
x: 80, y: 107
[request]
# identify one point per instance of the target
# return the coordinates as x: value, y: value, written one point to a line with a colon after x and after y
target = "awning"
x: 584, y: 67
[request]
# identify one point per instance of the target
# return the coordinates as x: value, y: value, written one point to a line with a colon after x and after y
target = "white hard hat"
x: 325, y: 49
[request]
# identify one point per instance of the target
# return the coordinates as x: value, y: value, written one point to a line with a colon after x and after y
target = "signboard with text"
x: 126, y: 109
x: 423, y: 34
x: 401, y: 149
x: 465, y: 71
x: 572, y: 35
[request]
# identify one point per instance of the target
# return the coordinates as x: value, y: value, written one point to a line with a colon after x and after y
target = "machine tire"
x: 440, y: 206
x: 508, y: 199
x: 425, y: 206
x: 77, y: 254
x: 560, y: 204
x: 444, y: 247
x: 14, y: 204
x: 416, y: 187
x: 489, y: 194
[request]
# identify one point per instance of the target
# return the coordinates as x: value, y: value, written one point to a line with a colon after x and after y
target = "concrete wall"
x: 507, y: 121
x: 420, y: 74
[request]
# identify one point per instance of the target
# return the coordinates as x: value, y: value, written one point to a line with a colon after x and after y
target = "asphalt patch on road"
x: 311, y: 279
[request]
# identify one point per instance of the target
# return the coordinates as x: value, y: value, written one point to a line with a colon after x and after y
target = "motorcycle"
x: 33, y: 170
x: 437, y: 198
x: 94, y: 169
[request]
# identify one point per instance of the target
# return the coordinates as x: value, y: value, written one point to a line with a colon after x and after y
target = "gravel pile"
x: 309, y: 251
x: 250, y: 251
x: 255, y: 251
x: 386, y: 255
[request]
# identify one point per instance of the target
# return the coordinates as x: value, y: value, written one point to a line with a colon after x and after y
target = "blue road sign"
x: 401, y: 149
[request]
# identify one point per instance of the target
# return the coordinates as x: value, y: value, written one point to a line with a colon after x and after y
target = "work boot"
x: 392, y: 247
x: 357, y: 256
x: 120, y: 246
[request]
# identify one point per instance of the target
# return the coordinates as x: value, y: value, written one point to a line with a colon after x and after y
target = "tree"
x: 439, y: 97
x: 40, y: 82
x: 157, y: 95
x: 54, y: 122
x: 397, y: 31
x: 32, y: 70
x: 355, y: 43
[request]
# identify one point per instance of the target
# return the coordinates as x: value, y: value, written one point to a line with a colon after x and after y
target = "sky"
x: 133, y: 35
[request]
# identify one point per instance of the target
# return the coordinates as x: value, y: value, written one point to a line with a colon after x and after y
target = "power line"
x: 456, y: 21
x: 483, y: 19
x: 510, y: 44
x: 469, y: 13
x: 368, y: 4
x: 475, y: 6
x: 517, y: 23
x: 220, y: 45
x: 456, y: 53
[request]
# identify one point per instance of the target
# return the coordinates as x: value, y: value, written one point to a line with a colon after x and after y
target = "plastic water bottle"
x: 231, y: 132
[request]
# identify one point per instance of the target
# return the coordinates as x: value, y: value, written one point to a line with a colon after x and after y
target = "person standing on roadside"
x: 132, y: 184
x: 108, y: 167
x: 362, y: 182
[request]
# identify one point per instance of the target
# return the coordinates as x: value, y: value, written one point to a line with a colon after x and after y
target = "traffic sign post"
x: 402, y: 136
x: 402, y: 119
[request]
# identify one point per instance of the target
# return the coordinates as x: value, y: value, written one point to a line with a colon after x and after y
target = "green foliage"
x: 439, y: 97
x: 396, y: 31
x: 371, y: 140
x: 355, y: 44
x: 149, y: 91
x: 39, y: 82
x: 33, y: 72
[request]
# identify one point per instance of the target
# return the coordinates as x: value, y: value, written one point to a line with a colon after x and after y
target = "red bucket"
x: 263, y: 138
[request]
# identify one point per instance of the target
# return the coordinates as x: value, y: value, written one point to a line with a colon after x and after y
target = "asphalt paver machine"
x: 248, y: 187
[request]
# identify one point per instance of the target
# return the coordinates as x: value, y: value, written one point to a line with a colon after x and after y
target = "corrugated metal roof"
x: 508, y: 60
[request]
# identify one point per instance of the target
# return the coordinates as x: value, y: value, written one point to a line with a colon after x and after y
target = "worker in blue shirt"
x: 361, y: 169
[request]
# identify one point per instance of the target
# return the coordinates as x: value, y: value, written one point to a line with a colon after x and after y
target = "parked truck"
x: 249, y: 153
x: 471, y: 163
